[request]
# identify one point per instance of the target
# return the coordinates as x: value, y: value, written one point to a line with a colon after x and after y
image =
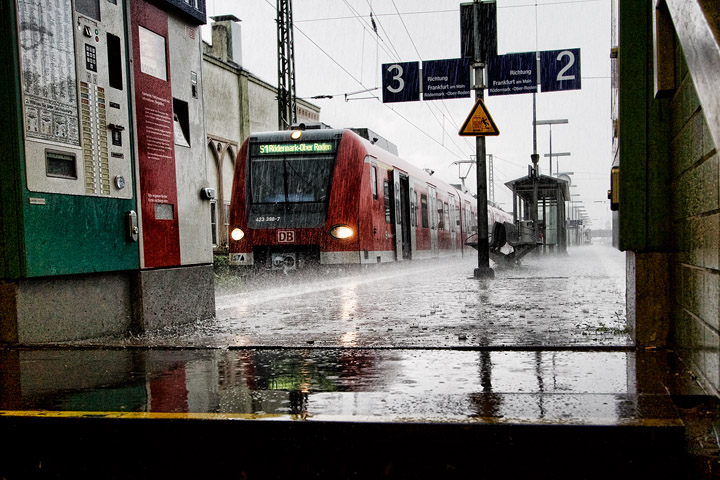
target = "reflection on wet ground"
x: 346, y: 384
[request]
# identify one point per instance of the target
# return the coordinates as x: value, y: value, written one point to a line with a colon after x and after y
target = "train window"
x: 441, y: 217
x: 423, y: 210
x: 388, y: 202
x: 296, y: 179
x: 453, y: 222
x: 447, y: 217
x: 373, y: 181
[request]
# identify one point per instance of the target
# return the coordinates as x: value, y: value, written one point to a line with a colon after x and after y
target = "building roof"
x: 547, y: 187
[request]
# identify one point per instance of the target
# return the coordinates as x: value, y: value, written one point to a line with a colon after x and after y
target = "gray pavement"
x: 575, y: 301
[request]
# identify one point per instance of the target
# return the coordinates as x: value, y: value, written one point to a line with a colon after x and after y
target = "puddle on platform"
x: 377, y: 385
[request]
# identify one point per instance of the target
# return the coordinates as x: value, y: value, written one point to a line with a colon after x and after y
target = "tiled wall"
x: 696, y: 234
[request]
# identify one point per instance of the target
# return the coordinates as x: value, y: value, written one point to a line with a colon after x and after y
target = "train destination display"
x: 290, y: 148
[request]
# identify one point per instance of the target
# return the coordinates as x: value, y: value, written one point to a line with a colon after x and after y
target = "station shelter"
x: 539, y: 207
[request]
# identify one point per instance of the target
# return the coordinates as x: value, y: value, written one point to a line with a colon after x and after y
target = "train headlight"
x: 237, y: 234
x: 341, y: 232
x: 296, y: 134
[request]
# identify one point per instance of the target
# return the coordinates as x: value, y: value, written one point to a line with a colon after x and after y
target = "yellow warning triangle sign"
x: 479, y: 122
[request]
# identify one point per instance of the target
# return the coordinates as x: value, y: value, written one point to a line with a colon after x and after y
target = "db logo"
x: 286, y: 236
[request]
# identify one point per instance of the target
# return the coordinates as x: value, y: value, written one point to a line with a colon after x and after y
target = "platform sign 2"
x: 512, y: 74
x: 401, y: 82
x: 515, y: 73
x: 560, y: 70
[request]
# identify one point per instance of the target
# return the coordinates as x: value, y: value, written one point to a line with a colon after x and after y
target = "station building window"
x: 214, y: 222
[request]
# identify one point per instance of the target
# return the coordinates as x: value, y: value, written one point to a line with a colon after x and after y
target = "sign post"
x: 483, y: 269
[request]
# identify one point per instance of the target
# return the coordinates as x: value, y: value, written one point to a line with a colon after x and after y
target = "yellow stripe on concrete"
x: 136, y: 415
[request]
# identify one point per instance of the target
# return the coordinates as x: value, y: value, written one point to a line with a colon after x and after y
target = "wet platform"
x: 532, y: 375
x: 264, y: 413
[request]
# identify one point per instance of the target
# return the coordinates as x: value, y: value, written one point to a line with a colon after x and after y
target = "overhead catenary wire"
x: 359, y: 81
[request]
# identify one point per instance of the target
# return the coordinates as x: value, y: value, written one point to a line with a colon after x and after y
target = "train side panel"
x: 423, y: 240
x: 344, y: 203
x: 375, y: 229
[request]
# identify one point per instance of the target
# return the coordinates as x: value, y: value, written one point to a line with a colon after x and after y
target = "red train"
x: 328, y: 196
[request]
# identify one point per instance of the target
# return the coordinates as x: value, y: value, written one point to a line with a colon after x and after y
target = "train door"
x: 401, y: 214
x: 413, y: 222
x: 433, y: 221
x: 466, y: 229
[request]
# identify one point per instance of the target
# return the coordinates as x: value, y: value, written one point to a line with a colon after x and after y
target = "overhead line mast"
x: 287, y: 98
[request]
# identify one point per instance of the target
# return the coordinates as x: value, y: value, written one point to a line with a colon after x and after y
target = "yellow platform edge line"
x: 138, y: 415
x: 629, y: 422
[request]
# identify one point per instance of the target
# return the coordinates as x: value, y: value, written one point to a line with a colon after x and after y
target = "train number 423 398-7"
x: 267, y: 219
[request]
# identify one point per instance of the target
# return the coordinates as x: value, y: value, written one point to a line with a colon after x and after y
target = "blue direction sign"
x: 560, y: 70
x: 401, y: 82
x: 444, y: 79
x: 512, y: 74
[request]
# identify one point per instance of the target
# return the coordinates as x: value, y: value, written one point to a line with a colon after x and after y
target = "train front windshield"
x: 290, y: 179
x: 290, y: 183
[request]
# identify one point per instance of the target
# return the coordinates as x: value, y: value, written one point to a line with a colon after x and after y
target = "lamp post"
x: 557, y: 161
x: 550, y: 123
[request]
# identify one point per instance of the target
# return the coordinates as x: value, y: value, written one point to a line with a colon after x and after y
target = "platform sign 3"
x: 560, y: 70
x: 401, y: 82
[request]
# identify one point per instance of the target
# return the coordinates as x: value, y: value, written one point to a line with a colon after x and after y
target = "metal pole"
x: 550, y: 160
x: 483, y: 270
x: 535, y: 157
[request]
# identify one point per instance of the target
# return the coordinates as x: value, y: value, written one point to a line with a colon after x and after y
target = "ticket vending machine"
x: 176, y: 277
x: 98, y: 200
x: 67, y: 183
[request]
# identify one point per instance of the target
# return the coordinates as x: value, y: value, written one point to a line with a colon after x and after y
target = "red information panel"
x: 155, y: 136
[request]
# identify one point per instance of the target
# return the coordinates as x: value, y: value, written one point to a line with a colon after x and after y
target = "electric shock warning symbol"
x: 479, y: 122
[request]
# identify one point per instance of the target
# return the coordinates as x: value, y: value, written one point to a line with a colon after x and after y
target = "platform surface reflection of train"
x: 326, y: 196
